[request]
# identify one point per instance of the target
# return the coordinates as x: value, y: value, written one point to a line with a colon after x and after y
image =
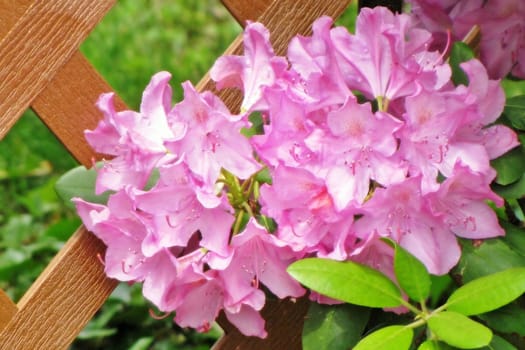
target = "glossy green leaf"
x: 391, y: 337
x: 498, y: 343
x: 513, y: 191
x: 80, y: 182
x: 509, y: 319
x: 439, y: 285
x: 510, y: 167
x: 458, y: 330
x: 347, y: 281
x: 488, y: 293
x: 434, y: 345
x: 334, y: 327
x: 515, y: 111
x: 514, y: 237
x: 488, y: 257
x: 460, y: 53
x: 411, y: 274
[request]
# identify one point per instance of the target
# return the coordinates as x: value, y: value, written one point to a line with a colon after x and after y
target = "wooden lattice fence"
x: 41, y: 68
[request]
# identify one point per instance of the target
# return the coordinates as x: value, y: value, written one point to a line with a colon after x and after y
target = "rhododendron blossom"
x: 501, y: 22
x: 363, y: 136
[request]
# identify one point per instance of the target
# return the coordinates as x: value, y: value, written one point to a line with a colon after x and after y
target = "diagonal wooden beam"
x: 37, y: 46
x: 7, y: 309
x: 248, y: 10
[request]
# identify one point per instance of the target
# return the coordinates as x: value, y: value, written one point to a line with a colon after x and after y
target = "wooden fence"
x: 41, y: 68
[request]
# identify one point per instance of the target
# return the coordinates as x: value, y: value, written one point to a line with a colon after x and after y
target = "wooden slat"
x: 62, y: 300
x: 284, y: 324
x: 247, y: 10
x: 72, y: 92
x: 67, y: 105
x: 7, y: 309
x: 39, y: 44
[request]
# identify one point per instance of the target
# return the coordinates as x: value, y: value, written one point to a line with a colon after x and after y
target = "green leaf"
x: 143, y: 343
x: 333, y: 327
x: 80, y: 182
x: 510, y: 167
x: 458, y: 330
x: 440, y: 284
x: 264, y: 176
x: 411, y: 274
x: 515, y: 111
x: 509, y: 319
x: 96, y: 333
x: 434, y: 345
x: 514, y: 237
x: 491, y: 256
x: 391, y: 338
x: 347, y: 281
x: 488, y: 293
x: 513, y: 191
x: 498, y: 343
x: 460, y: 53
x: 257, y: 127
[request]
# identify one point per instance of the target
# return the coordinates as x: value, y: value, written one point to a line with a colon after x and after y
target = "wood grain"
x: 7, y: 309
x: 284, y: 324
x: 62, y: 300
x: 247, y: 10
x: 67, y: 106
x: 37, y: 46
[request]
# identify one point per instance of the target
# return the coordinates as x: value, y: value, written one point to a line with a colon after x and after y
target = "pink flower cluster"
x: 502, y: 25
x: 364, y: 136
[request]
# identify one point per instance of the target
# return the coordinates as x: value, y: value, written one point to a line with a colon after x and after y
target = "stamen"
x: 99, y: 257
x: 158, y: 317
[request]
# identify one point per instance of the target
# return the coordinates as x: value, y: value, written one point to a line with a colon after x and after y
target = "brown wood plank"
x: 62, y: 300
x: 246, y: 10
x: 284, y: 324
x: 7, y: 309
x: 37, y: 46
x: 67, y: 105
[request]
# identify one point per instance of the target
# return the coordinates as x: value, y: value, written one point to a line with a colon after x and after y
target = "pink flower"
x: 305, y: 213
x: 387, y: 57
x: 314, y: 58
x: 502, y: 24
x: 257, y: 69
x: 461, y: 201
x: 362, y: 146
x: 401, y: 213
x: 213, y: 139
x: 136, y: 139
x: 176, y: 214
x: 258, y: 258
